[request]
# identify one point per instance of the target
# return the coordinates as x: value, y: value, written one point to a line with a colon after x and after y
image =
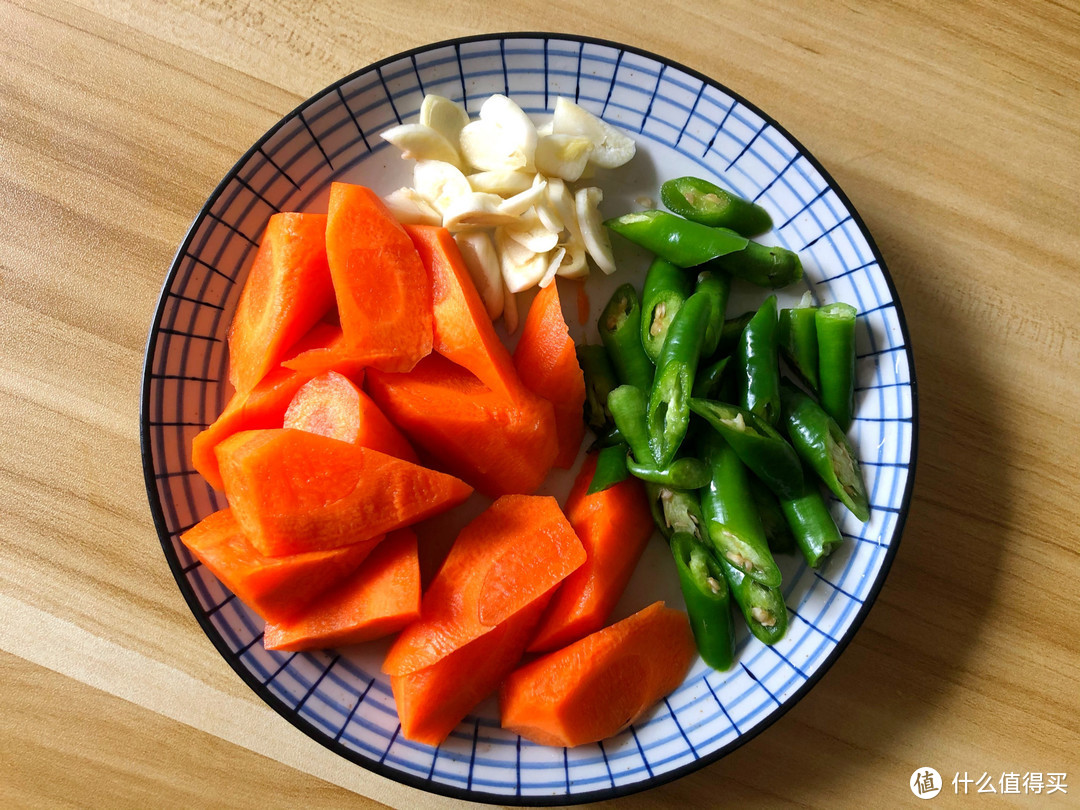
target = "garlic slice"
x: 563, y: 156
x: 503, y: 183
x: 503, y: 138
x: 409, y: 208
x: 420, y: 142
x: 611, y: 148
x: 549, y: 216
x: 529, y: 232
x: 560, y: 198
x: 439, y: 183
x: 444, y: 116
x: 597, y: 243
x: 521, y: 268
x: 554, y: 263
x: 573, y: 263
x: 520, y: 203
x: 483, y: 263
x: 475, y: 209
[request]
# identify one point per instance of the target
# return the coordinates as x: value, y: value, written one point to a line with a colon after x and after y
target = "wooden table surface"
x: 953, y: 127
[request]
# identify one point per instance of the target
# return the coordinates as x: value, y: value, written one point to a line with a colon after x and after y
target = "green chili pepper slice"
x: 610, y: 468
x: 757, y: 443
x: 675, y: 510
x: 669, y: 400
x: 666, y: 289
x: 620, y: 332
x: 836, y: 361
x: 763, y: 608
x: 811, y: 524
x: 708, y: 600
x: 600, y: 380
x: 702, y: 201
x: 628, y: 407
x: 680, y: 241
x: 777, y: 531
x: 763, y: 265
x: 797, y: 335
x: 682, y: 473
x: 708, y: 380
x: 759, y: 364
x: 731, y: 519
x: 717, y: 286
x: 732, y: 331
x: 824, y: 447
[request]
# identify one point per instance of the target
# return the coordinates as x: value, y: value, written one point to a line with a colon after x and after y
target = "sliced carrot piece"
x: 497, y: 444
x: 614, y: 526
x: 463, y: 331
x: 287, y: 291
x: 379, y: 599
x: 510, y: 556
x: 276, y: 588
x: 331, y: 405
x: 432, y: 701
x: 591, y: 689
x: 383, y: 291
x: 332, y: 354
x: 293, y: 491
x: 546, y: 361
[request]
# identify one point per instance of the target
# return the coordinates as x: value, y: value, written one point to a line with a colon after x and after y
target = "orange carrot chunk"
x: 497, y: 444
x: 433, y: 700
x: 512, y: 555
x: 379, y: 599
x: 546, y: 361
x: 383, y: 291
x: 595, y: 687
x: 276, y: 588
x: 463, y: 330
x: 262, y: 407
x: 293, y: 491
x: 332, y: 354
x: 331, y: 405
x: 287, y: 291
x: 614, y: 526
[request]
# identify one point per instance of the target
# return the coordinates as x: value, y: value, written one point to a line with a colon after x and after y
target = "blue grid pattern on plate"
x: 348, y: 701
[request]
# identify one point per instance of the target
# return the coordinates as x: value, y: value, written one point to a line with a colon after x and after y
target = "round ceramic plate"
x: 683, y: 123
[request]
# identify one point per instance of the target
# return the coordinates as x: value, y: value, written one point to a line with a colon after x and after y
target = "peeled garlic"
x: 520, y: 203
x: 563, y: 156
x: 611, y: 148
x: 420, y: 142
x: 444, y: 116
x: 503, y: 183
x: 554, y: 263
x: 573, y: 263
x: 439, y: 183
x: 521, y: 268
x: 587, y: 205
x: 529, y: 232
x: 483, y: 263
x: 475, y: 209
x: 503, y: 139
x: 409, y: 208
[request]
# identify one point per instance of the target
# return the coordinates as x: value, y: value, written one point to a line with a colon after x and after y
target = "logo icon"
x: 925, y: 783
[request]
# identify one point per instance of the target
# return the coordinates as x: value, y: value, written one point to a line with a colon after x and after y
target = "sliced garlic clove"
x: 563, y: 156
x: 439, y: 183
x: 562, y: 201
x: 419, y: 142
x: 545, y: 129
x: 573, y: 263
x: 503, y: 183
x: 521, y: 268
x: 554, y: 263
x: 611, y: 148
x: 486, y: 147
x: 549, y: 216
x: 409, y: 208
x: 514, y: 121
x: 520, y: 203
x: 475, y: 209
x: 480, y: 258
x: 529, y: 232
x: 444, y: 116
x: 595, y: 236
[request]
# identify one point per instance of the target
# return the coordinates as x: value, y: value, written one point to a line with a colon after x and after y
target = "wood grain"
x: 955, y: 130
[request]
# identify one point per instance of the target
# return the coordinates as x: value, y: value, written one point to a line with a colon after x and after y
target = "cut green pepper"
x: 610, y: 468
x: 759, y: 364
x: 702, y: 201
x: 628, y: 406
x: 600, y: 380
x: 810, y: 522
x: 836, y: 361
x: 708, y: 380
x: 708, y: 600
x: 680, y: 241
x: 669, y: 400
x: 666, y: 289
x: 763, y: 608
x: 824, y: 447
x: 620, y: 332
x: 757, y: 443
x: 777, y: 530
x: 797, y: 335
x: 732, y: 331
x: 675, y: 510
x: 731, y: 519
x: 682, y: 473
x: 717, y: 286
x: 763, y: 265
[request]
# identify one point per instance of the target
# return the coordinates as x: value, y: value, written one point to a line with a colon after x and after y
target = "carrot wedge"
x: 379, y: 599
x: 497, y: 444
x: 293, y: 491
x: 614, y: 526
x: 433, y: 700
x: 331, y: 405
x: 463, y: 331
x: 383, y: 290
x: 509, y: 557
x: 547, y: 364
x: 287, y: 291
x: 591, y: 689
x: 276, y: 588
